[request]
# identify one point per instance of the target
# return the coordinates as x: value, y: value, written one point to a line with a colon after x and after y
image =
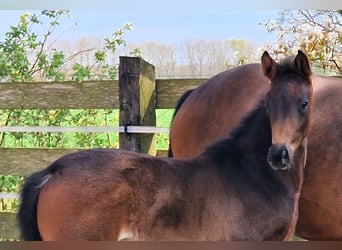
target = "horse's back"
x: 116, y: 194
x: 206, y: 109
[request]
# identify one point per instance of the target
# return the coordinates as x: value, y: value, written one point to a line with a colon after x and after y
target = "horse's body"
x: 244, y: 187
x: 218, y: 105
x: 144, y: 198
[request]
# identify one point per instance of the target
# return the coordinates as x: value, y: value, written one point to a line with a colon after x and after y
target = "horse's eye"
x: 304, y: 105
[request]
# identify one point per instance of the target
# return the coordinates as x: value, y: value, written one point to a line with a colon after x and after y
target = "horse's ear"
x: 302, y: 64
x: 268, y: 66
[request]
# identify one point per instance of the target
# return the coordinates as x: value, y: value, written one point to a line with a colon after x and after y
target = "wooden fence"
x: 136, y: 94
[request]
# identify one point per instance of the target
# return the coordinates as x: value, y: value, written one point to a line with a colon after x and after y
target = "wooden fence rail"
x: 136, y: 94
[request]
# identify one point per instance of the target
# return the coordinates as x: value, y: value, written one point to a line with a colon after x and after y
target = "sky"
x: 173, y: 26
x: 163, y: 26
x: 164, y: 21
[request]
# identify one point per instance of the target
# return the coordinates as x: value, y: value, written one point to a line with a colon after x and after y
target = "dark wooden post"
x: 137, y: 103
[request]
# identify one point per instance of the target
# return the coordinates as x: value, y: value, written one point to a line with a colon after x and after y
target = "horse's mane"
x: 230, y: 144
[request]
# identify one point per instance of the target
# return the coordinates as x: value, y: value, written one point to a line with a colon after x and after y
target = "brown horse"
x: 214, y: 108
x: 244, y: 187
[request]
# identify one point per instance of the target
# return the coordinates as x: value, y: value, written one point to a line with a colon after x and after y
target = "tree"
x: 195, y: 57
x: 21, y: 42
x: 26, y: 56
x: 316, y: 32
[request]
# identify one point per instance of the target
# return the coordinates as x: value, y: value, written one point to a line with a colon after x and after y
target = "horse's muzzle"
x: 280, y: 157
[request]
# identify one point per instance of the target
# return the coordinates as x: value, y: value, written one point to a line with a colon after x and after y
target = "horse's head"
x: 288, y: 104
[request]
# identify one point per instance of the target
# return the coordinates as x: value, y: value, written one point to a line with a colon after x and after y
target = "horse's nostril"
x: 279, y: 156
x: 285, y: 158
x: 285, y: 154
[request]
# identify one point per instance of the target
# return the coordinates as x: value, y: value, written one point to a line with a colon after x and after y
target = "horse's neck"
x: 295, y: 178
x: 255, y: 138
x: 254, y: 135
x: 251, y: 140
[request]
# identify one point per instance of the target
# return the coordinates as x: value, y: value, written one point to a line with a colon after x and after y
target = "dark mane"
x: 232, y: 144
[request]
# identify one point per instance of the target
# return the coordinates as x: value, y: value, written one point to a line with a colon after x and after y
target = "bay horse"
x: 243, y: 187
x: 217, y: 106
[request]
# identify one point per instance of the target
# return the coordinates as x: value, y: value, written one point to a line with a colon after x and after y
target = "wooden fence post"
x: 137, y: 103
